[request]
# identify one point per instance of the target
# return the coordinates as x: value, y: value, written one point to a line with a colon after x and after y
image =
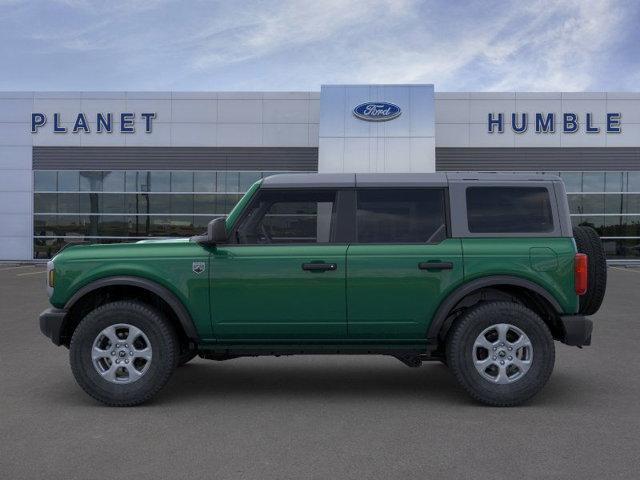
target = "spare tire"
x: 588, y: 242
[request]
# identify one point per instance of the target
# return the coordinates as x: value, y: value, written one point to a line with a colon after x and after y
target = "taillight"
x: 581, y: 273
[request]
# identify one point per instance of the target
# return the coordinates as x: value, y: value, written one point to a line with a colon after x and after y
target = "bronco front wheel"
x: 502, y: 353
x: 123, y: 353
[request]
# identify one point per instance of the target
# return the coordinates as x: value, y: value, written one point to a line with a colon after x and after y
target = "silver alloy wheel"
x: 121, y: 353
x: 502, y: 353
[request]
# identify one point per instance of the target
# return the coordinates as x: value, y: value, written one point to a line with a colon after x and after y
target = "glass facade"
x: 125, y: 205
x: 610, y: 203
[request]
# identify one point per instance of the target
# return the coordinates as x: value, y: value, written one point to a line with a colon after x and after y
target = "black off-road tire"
x: 460, y: 350
x: 163, y: 342
x: 589, y: 243
x: 185, y: 356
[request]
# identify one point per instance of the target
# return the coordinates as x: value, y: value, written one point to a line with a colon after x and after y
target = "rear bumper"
x: 577, y: 330
x: 51, y: 323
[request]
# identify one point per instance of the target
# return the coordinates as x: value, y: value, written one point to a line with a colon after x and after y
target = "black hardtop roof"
x: 437, y: 179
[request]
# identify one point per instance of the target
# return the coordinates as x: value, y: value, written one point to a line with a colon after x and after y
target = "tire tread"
x: 455, y: 342
x: 589, y: 243
x: 166, y: 330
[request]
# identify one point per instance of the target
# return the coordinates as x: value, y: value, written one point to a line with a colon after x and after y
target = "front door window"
x: 289, y: 217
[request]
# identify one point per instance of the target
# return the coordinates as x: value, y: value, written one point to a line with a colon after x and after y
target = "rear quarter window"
x: 509, y: 210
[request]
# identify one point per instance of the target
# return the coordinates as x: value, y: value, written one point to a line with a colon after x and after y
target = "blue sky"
x: 535, y: 45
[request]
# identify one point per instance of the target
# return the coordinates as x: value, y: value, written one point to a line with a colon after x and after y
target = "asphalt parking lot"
x: 319, y: 417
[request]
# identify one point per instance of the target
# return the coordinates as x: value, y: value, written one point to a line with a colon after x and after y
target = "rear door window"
x: 509, y: 210
x: 401, y: 215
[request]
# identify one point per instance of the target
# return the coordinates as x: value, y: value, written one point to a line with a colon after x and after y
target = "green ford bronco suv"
x: 479, y: 271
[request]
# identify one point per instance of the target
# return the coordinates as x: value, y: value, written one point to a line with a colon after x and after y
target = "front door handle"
x: 319, y: 267
x: 435, y: 265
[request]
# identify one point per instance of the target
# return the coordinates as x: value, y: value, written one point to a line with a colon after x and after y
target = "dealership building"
x: 123, y: 166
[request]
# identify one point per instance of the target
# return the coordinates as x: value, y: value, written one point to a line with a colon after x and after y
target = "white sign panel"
x: 377, y: 128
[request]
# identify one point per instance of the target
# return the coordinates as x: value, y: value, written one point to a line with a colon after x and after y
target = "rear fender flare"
x: 462, y: 291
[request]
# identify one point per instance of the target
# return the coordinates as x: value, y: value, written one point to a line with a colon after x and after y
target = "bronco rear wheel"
x: 123, y: 353
x: 589, y: 243
x: 501, y: 353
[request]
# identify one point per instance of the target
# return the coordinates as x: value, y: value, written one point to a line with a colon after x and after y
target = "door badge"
x: 198, y: 267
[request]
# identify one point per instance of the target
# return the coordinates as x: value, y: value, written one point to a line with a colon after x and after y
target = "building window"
x: 610, y: 203
x: 128, y: 205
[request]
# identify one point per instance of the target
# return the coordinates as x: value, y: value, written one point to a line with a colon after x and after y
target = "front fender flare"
x: 462, y: 291
x: 164, y: 293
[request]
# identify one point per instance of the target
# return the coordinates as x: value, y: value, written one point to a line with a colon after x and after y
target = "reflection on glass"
x: 68, y: 203
x: 613, y: 203
x: 133, y: 180
x: 45, y: 203
x: 572, y: 181
x: 159, y: 182
x: 593, y: 181
x: 181, y: 204
x: 204, y: 181
x: 247, y: 179
x: 613, y: 181
x: 157, y: 203
x: 112, y: 226
x: 68, y: 181
x: 593, y: 221
x: 631, y: 203
x: 45, y: 181
x: 622, y: 248
x: 633, y: 181
x: 204, y: 204
x: 91, y: 181
x: 112, y: 203
x: 113, y: 181
x: 200, y: 223
x: 233, y: 182
x: 91, y: 204
x: 182, y: 181
x: 43, y: 225
x: 592, y: 203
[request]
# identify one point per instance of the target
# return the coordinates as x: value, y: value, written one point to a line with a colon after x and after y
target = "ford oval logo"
x: 377, y: 111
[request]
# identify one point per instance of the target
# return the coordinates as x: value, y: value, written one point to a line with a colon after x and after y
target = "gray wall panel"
x: 306, y: 159
x: 537, y: 159
x: 175, y: 158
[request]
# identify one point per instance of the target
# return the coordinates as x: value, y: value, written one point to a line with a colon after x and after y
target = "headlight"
x: 51, y: 277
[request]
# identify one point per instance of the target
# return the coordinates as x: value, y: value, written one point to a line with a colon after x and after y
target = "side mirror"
x: 216, y: 233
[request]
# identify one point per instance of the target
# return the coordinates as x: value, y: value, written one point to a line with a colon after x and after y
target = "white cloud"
x: 257, y: 32
x: 299, y: 44
x: 539, y: 46
x: 565, y: 55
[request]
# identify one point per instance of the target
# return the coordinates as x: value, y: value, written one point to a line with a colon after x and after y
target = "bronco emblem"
x: 198, y: 267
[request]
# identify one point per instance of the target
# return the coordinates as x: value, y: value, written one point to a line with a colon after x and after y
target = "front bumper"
x: 51, y: 324
x: 577, y: 330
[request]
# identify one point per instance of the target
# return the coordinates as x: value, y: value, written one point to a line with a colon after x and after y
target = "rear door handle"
x: 435, y: 265
x: 319, y: 267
